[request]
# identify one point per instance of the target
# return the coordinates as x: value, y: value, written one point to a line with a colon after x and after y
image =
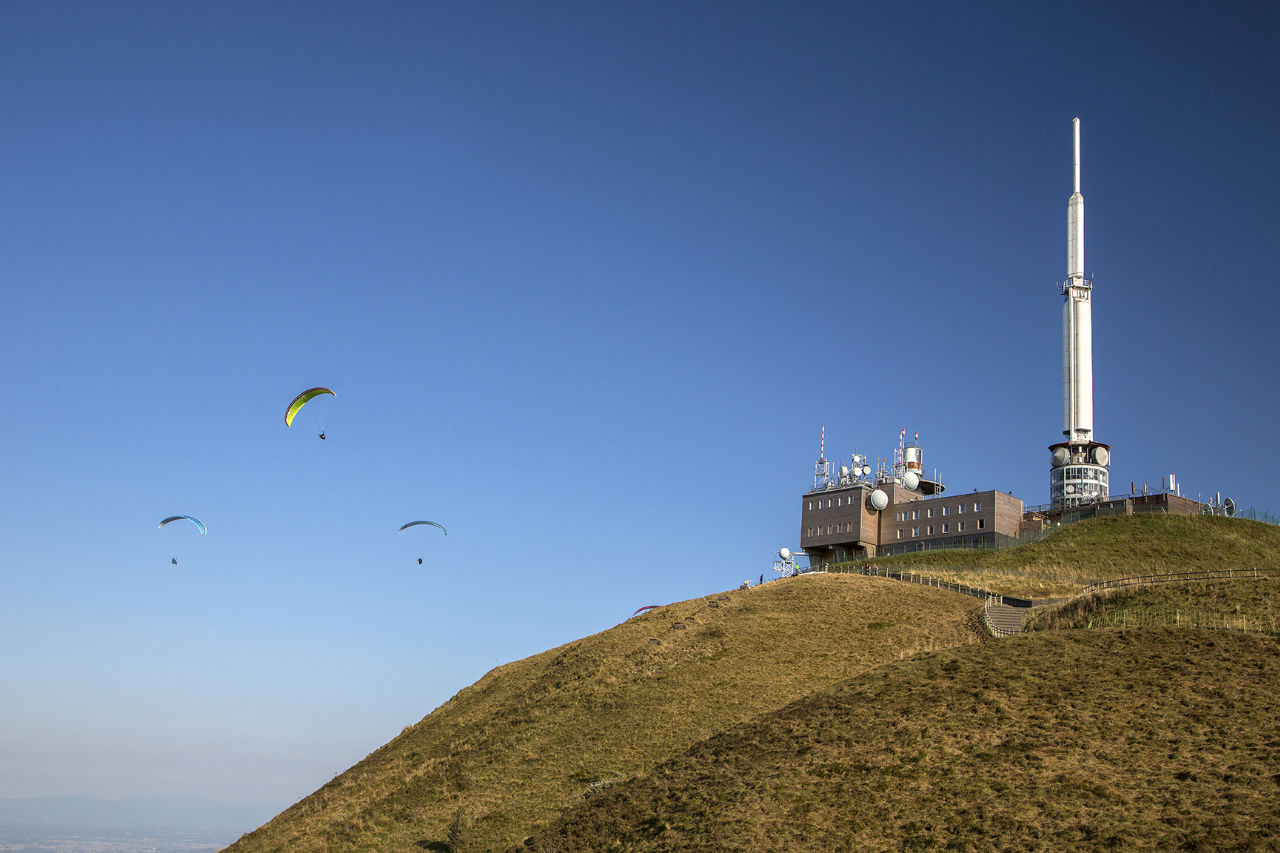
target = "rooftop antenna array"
x: 822, y: 468
x: 1218, y: 505
x: 856, y: 472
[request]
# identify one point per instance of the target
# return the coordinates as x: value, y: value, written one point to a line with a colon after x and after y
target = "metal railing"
x: 1190, y: 617
x: 991, y: 627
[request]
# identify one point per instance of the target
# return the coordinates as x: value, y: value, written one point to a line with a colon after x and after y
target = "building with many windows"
x: 851, y: 515
x: 842, y: 524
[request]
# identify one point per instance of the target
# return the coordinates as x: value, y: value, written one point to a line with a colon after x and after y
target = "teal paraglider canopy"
x: 405, y: 527
x: 197, y: 522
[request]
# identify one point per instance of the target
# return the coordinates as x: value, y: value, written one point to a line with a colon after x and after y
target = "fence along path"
x: 1002, y: 615
x: 923, y: 580
x: 1203, y: 575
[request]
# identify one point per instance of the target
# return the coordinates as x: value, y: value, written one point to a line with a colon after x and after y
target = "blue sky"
x: 587, y: 279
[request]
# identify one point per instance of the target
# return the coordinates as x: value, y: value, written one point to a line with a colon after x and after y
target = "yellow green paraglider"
x: 301, y: 400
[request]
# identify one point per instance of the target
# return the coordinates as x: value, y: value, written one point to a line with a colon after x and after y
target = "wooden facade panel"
x: 985, y: 514
x: 846, y: 508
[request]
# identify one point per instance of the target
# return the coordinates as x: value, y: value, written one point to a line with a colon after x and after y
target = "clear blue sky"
x: 587, y: 279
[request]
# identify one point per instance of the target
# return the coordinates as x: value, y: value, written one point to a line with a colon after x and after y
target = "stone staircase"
x: 1004, y: 620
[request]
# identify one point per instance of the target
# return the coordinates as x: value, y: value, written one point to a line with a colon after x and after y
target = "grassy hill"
x: 506, y: 755
x: 1102, y: 549
x: 831, y: 710
x: 1155, y: 739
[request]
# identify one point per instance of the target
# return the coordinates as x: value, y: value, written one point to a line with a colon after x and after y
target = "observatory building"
x: 853, y: 513
x: 1079, y: 470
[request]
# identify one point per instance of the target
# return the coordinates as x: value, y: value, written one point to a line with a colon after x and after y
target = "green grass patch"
x: 1245, y: 605
x: 1101, y: 549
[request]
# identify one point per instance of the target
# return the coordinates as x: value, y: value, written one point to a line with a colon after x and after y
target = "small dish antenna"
x: 785, y: 564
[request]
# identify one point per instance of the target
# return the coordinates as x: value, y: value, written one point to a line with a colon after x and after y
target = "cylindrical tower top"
x: 1076, y: 124
x: 1075, y: 220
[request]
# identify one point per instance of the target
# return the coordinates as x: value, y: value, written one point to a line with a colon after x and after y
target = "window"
x: 915, y: 531
x: 902, y: 516
x: 982, y: 522
x: 828, y: 529
x: 960, y: 509
x: 810, y: 504
x: 977, y: 506
x: 915, y: 514
x: 946, y: 528
x: 899, y: 532
x: 946, y: 510
x: 828, y: 503
x: 839, y: 501
x: 930, y: 529
x: 960, y: 526
x: 929, y: 512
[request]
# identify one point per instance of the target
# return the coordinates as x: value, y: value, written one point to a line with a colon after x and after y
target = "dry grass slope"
x: 505, y: 756
x: 1140, y: 739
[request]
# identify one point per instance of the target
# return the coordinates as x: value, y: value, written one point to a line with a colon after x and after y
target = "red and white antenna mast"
x: 822, y: 468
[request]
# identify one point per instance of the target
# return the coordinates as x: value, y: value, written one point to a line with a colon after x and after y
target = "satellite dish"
x: 866, y: 470
x: 879, y: 500
x: 1101, y: 456
x: 1071, y: 490
x: 784, y: 553
x: 1060, y: 457
x: 911, y: 480
x: 1228, y: 508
